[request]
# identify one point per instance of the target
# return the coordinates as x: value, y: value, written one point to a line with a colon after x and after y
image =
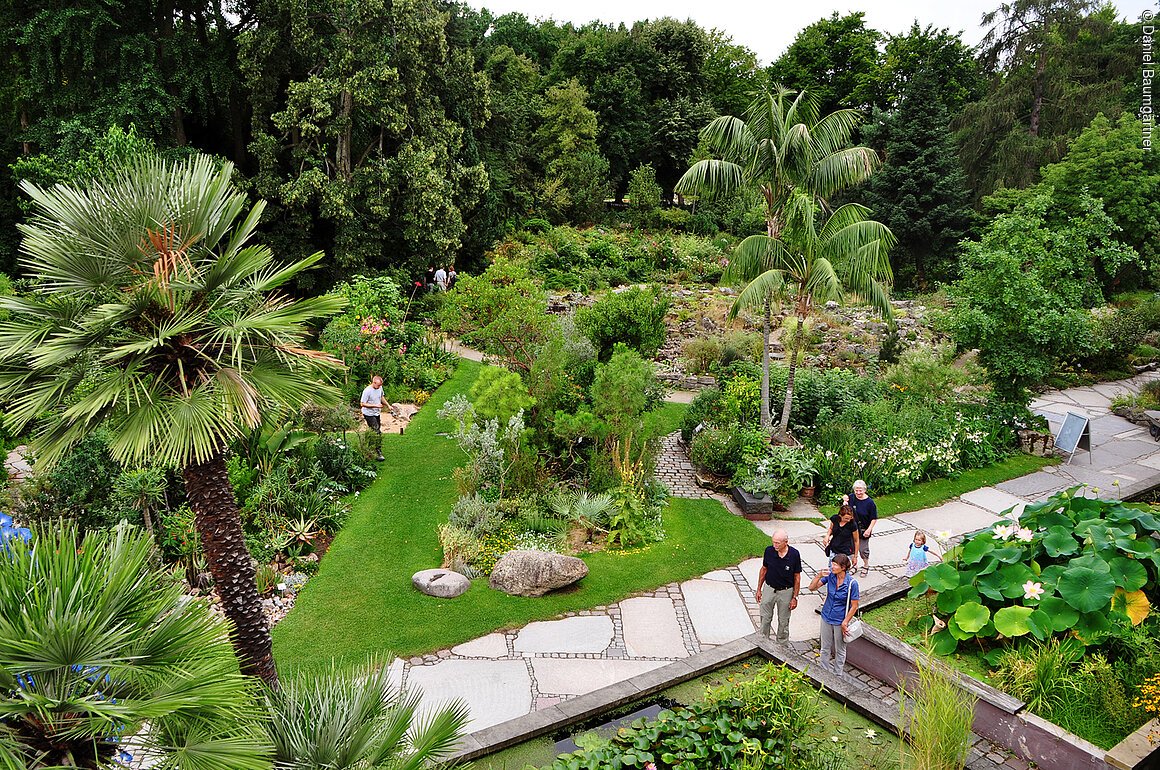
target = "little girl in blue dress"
x: 916, y: 559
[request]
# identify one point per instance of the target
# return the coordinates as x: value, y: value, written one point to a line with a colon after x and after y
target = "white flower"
x: 834, y: 738
x: 1024, y: 534
x: 871, y: 734
x: 942, y: 534
x: 282, y: 587
x: 1032, y: 590
x: 1002, y: 531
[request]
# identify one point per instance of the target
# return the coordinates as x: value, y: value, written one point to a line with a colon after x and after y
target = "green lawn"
x: 931, y: 493
x: 362, y: 601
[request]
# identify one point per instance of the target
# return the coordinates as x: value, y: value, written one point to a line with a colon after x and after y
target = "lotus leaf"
x: 1012, y: 621
x: 956, y: 630
x: 1050, y: 575
x: 1040, y: 624
x: 1089, y: 561
x: 977, y: 548
x: 942, y: 577
x: 1129, y: 575
x: 991, y: 586
x: 943, y: 643
x: 1059, y: 542
x: 1085, y: 589
x: 1014, y: 576
x: 1009, y: 555
x: 1141, y: 547
x: 1091, y: 626
x: 1134, y: 604
x: 949, y: 601
x: 972, y: 616
x: 1062, y: 615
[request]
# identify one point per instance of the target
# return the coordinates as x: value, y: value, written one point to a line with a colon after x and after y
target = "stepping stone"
x: 493, y: 690
x: 1088, y: 397
x: 651, y: 629
x: 585, y: 633
x: 577, y: 676
x: 813, y: 557
x: 797, y: 529
x: 1150, y: 462
x: 886, y: 526
x: 724, y: 576
x: 490, y: 646
x: 955, y: 516
x: 1033, y: 484
x: 717, y: 612
x: 751, y: 568
x: 804, y: 621
x: 994, y: 500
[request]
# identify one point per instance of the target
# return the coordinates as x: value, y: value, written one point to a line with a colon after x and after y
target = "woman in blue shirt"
x: 840, y: 588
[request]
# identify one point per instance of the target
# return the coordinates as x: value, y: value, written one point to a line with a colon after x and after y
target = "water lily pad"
x: 942, y: 577
x: 1085, y: 589
x: 1129, y: 575
x: 1134, y: 604
x: 1059, y: 542
x: 1012, y: 621
x: 972, y: 616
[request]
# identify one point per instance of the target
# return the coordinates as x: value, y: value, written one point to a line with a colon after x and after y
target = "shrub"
x: 701, y: 353
x: 537, y: 225
x: 701, y: 410
x: 475, y: 515
x: 722, y: 450
x: 635, y: 318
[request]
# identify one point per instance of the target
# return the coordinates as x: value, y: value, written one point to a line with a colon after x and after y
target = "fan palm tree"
x: 779, y: 148
x: 339, y: 720
x: 96, y: 644
x: 814, y: 264
x: 154, y: 317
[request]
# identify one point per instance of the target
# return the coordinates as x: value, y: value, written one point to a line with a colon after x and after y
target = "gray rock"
x: 535, y: 573
x: 444, y: 583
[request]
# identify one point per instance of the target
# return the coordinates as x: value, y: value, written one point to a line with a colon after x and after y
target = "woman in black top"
x: 842, y: 534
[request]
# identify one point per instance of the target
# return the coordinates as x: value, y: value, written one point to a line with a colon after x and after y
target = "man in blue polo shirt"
x: 778, y: 584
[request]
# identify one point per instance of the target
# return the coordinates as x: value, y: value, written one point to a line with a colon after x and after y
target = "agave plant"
x: 95, y: 644
x: 339, y: 719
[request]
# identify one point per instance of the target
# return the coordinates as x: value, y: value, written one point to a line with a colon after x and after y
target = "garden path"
x: 509, y: 673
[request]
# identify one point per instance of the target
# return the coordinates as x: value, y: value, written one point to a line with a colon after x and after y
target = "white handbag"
x: 854, y: 627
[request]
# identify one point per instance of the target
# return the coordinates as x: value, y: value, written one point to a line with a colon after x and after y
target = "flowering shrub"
x: 1067, y: 564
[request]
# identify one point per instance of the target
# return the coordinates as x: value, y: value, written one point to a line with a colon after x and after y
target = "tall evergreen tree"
x: 920, y: 191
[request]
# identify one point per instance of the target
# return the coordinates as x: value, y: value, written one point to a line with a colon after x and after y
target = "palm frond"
x: 711, y: 178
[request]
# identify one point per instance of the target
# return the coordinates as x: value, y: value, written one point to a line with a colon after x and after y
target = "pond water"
x: 863, y: 743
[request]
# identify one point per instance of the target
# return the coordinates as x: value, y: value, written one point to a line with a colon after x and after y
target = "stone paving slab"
x: 797, y: 529
x: 716, y: 611
x: 722, y: 575
x: 956, y: 517
x: 493, y: 690
x: 490, y: 646
x: 651, y: 629
x: 577, y: 676
x: 994, y: 500
x: 585, y: 633
x: 1152, y: 461
x: 1032, y: 484
x: 751, y: 568
x: 813, y: 557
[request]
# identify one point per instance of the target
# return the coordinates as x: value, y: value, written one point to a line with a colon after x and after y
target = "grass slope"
x: 362, y: 601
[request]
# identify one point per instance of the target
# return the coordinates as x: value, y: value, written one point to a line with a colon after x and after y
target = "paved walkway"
x: 506, y: 674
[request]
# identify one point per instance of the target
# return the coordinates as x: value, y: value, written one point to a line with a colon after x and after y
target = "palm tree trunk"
x: 794, y: 350
x: 220, y: 527
x: 766, y: 422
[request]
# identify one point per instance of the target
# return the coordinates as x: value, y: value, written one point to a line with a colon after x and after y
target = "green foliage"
x: 499, y: 394
x: 1025, y: 287
x: 1057, y: 569
x: 644, y: 195
x: 78, y: 488
x: 501, y: 312
x: 624, y: 389
x: 701, y: 410
x: 837, y: 58
x: 342, y: 720
x: 939, y: 723
x: 747, y: 724
x: 101, y: 643
x: 635, y: 318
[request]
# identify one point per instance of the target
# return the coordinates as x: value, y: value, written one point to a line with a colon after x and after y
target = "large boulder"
x: 444, y: 583
x: 535, y: 573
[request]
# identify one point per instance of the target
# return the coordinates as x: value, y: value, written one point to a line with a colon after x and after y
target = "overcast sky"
x: 768, y: 27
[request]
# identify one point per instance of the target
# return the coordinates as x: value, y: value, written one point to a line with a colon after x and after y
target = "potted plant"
x: 795, y: 467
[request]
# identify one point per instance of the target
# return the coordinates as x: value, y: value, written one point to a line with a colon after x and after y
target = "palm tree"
x: 779, y: 148
x: 814, y: 265
x: 339, y: 720
x: 100, y: 655
x: 155, y: 318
